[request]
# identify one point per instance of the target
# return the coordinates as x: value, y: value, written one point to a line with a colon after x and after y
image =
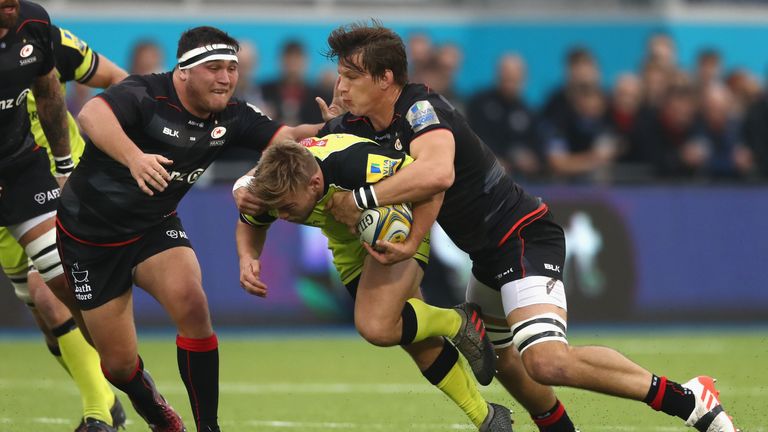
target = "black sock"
x: 65, y: 328
x: 142, y: 391
x: 54, y: 349
x: 199, y: 368
x: 410, y: 325
x: 554, y: 420
x: 670, y: 397
x: 442, y: 364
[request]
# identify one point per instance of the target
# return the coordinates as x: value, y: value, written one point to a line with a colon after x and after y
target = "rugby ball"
x: 391, y: 223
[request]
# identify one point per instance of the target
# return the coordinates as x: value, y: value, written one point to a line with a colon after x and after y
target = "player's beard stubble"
x: 9, y: 13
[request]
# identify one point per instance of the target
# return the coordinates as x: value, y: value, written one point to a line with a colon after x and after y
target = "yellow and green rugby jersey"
x: 347, y: 162
x: 74, y: 61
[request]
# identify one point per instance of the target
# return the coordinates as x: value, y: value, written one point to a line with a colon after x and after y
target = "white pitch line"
x: 289, y: 425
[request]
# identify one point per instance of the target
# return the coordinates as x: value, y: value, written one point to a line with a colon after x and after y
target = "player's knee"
x: 117, y: 366
x: 377, y: 333
x: 547, y: 363
x: 191, y: 314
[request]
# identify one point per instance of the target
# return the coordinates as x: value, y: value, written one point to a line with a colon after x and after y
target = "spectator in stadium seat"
x: 581, y: 70
x: 289, y: 98
x: 656, y: 80
x: 716, y: 149
x: 664, y: 132
x: 419, y: 52
x: 661, y: 50
x: 624, y: 108
x: 755, y: 133
x: 744, y: 87
x: 146, y: 57
x: 248, y: 60
x: 504, y: 121
x: 580, y: 145
x: 438, y: 76
x: 708, y: 70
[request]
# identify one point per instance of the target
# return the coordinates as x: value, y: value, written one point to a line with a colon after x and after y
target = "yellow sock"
x: 83, y: 363
x: 458, y: 383
x: 427, y: 321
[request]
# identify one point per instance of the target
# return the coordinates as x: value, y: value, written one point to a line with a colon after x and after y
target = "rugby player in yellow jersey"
x: 295, y: 181
x: 75, y: 61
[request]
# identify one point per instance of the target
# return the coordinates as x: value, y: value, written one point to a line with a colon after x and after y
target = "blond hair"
x: 284, y: 168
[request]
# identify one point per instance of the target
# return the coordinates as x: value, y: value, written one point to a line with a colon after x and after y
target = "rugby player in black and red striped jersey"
x: 516, y: 248
x: 150, y: 139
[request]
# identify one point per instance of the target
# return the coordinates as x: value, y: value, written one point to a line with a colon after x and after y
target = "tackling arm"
x: 432, y: 171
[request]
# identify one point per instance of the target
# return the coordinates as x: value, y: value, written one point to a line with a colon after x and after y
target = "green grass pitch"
x: 340, y: 383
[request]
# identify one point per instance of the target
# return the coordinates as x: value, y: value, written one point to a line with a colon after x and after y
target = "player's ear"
x: 183, y: 74
x: 387, y: 79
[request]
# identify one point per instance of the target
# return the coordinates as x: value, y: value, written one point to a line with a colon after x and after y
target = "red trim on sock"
x: 656, y: 404
x: 197, y: 345
x: 552, y: 418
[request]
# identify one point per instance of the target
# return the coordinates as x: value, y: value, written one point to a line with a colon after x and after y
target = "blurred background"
x: 644, y: 125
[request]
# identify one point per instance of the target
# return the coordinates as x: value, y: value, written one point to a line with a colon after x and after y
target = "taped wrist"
x: 365, y: 197
x: 64, y: 165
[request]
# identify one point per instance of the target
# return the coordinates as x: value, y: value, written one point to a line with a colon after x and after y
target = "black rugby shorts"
x: 535, y: 249
x: 98, y: 273
x: 29, y: 189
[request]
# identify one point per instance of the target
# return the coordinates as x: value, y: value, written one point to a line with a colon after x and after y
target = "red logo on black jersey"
x: 218, y: 132
x: 313, y: 142
x: 26, y: 51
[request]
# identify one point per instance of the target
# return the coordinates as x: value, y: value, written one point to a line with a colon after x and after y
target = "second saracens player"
x: 151, y: 137
x: 517, y: 249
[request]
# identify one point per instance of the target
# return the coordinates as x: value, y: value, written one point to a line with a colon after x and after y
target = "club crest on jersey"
x: 313, y: 142
x: 218, y: 132
x: 26, y: 50
x: 380, y: 167
x: 421, y: 114
x: 398, y: 145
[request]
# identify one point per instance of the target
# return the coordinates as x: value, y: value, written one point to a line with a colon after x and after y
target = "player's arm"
x: 107, y: 73
x: 250, y: 243
x: 52, y: 112
x: 99, y: 122
x: 296, y: 133
x: 432, y: 171
x: 77, y: 61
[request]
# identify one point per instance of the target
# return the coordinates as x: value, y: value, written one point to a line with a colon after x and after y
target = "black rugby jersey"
x: 26, y: 52
x: 101, y: 202
x: 484, y: 203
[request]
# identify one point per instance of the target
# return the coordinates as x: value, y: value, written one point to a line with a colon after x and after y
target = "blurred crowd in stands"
x: 659, y: 123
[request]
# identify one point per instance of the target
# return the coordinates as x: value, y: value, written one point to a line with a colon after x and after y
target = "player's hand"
x: 148, y: 171
x: 342, y: 207
x: 250, y: 270
x: 336, y: 108
x: 388, y: 253
x: 247, y: 203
